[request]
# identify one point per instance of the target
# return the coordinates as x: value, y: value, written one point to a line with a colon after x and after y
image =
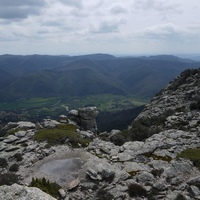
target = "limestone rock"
x: 72, y: 184
x: 10, y: 139
x: 49, y: 123
x: 27, y: 125
x: 19, y: 192
x: 85, y: 118
x: 145, y: 177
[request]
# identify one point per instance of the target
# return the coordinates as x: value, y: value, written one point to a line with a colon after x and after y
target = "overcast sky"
x: 72, y: 27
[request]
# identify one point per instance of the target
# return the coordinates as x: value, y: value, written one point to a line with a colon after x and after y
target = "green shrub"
x: 195, y: 105
x: 3, y: 163
x: 18, y: 157
x: 118, y: 139
x: 46, y: 186
x: 180, y: 197
x: 14, y: 168
x: 8, y: 179
x: 157, y: 172
x: 60, y: 135
x: 191, y: 154
x: 136, y: 190
x: 103, y: 194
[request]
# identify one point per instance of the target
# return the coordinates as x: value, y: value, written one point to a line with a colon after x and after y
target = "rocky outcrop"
x: 153, y: 164
x: 6, y: 117
x: 19, y: 192
x: 85, y: 118
x: 174, y: 107
x: 151, y: 168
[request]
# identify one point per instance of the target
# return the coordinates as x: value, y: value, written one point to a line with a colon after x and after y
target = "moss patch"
x: 155, y: 157
x: 134, y: 173
x: 191, y: 154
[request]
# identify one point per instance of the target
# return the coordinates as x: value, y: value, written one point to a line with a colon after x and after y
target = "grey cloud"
x: 20, y: 9
x: 19, y: 13
x: 12, y: 3
x: 105, y: 27
x: 162, y: 32
x: 51, y: 23
x: 158, y: 5
x: 73, y: 3
x: 118, y: 10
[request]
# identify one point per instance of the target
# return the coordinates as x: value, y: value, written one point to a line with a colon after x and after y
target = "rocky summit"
x: 161, y: 160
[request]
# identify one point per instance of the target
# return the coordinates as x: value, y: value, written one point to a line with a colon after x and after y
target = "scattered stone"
x: 20, y: 134
x: 72, y: 184
x: 10, y: 139
x: 49, y: 123
x: 145, y: 177
x: 62, y: 193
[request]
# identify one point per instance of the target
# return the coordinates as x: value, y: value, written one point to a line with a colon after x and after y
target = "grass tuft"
x: 63, y: 133
x: 191, y: 154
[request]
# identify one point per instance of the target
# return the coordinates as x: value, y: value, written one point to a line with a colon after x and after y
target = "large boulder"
x: 85, y: 118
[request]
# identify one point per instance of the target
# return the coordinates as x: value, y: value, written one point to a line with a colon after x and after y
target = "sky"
x: 74, y: 27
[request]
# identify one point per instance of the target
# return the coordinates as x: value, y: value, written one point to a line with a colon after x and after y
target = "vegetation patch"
x: 157, y: 172
x: 156, y: 157
x: 103, y: 194
x: 14, y: 130
x: 191, y: 154
x: 134, y: 173
x: 136, y: 190
x: 195, y: 105
x: 3, y: 163
x: 8, y: 179
x: 46, y: 186
x: 64, y: 133
x: 14, y: 168
x: 147, y: 126
x: 18, y: 157
x: 180, y: 197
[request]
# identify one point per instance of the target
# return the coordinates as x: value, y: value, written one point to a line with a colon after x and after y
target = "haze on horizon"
x: 80, y: 27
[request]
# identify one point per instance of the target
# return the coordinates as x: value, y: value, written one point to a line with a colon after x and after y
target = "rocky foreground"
x: 147, y: 169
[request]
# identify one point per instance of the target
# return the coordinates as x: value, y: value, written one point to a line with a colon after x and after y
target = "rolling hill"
x: 61, y: 76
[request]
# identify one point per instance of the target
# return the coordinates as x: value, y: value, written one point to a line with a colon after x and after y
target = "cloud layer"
x: 118, y: 27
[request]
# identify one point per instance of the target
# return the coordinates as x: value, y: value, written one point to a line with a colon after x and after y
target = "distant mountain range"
x: 63, y: 76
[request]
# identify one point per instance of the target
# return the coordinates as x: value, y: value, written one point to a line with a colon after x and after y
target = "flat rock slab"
x: 62, y: 170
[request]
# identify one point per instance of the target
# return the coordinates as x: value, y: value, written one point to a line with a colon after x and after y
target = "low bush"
x: 195, y: 105
x: 14, y: 168
x: 180, y: 197
x: 18, y: 157
x: 103, y: 194
x: 157, y: 172
x: 60, y: 135
x: 46, y: 186
x: 118, y: 139
x: 191, y: 154
x: 8, y: 179
x: 136, y: 190
x: 3, y: 163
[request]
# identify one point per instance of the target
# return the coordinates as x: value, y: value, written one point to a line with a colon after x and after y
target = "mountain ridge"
x: 142, y: 77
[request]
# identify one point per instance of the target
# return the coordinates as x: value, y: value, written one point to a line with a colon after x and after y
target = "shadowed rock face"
x: 62, y: 171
